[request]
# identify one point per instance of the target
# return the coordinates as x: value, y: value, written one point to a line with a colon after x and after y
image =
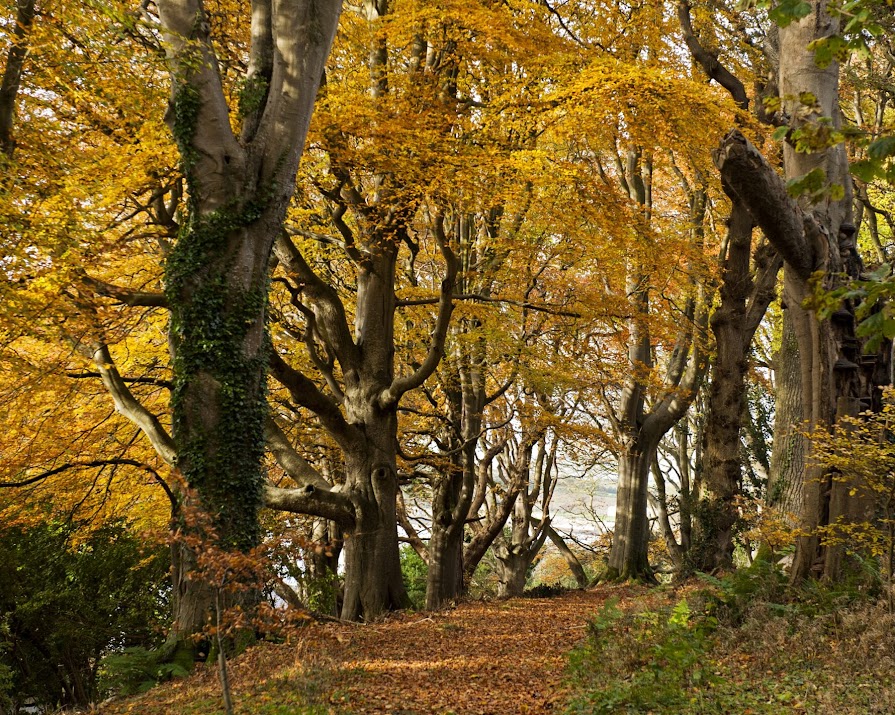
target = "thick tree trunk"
x: 444, y: 580
x: 373, y: 582
x: 628, y: 558
x: 512, y: 571
x: 216, y: 274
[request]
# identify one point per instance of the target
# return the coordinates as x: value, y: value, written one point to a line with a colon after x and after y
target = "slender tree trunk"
x: 574, y: 564
x: 743, y: 304
x: 787, y: 471
x: 12, y: 73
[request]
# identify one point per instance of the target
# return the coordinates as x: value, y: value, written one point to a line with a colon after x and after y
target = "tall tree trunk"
x: 373, y: 582
x: 814, y: 236
x: 216, y: 274
x: 744, y: 301
x: 444, y: 579
x: 12, y: 73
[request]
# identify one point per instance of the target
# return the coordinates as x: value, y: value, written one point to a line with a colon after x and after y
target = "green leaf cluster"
x: 66, y: 604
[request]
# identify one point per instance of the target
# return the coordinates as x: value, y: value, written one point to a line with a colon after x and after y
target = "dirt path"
x: 499, y: 657
x: 494, y: 658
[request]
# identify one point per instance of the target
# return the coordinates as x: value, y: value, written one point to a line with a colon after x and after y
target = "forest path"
x: 499, y: 657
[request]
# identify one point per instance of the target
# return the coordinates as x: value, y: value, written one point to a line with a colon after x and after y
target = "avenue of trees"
x: 335, y: 279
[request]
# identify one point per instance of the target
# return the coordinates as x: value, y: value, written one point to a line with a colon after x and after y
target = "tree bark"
x: 574, y: 564
x: 743, y: 303
x: 629, y: 558
x: 12, y: 74
x: 216, y: 274
x: 816, y: 236
x: 787, y: 470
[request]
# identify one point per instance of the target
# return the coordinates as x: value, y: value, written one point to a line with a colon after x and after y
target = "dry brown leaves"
x: 498, y: 657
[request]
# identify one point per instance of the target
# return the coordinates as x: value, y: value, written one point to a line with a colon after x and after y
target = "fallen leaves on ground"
x: 479, y: 658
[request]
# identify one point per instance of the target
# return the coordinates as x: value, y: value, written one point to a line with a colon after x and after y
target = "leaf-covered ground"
x: 484, y: 657
x: 648, y: 651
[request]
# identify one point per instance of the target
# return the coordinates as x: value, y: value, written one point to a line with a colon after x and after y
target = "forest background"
x: 257, y: 365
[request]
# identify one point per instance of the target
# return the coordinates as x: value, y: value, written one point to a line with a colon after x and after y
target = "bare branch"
x: 126, y: 296
x: 538, y: 307
x: 708, y: 61
x: 305, y: 393
x: 291, y: 461
x: 312, y: 501
x: 402, y: 385
x: 128, y: 406
x: 143, y: 380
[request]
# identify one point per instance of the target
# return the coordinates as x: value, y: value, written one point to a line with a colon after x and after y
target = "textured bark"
x: 743, y: 303
x: 628, y: 558
x: 814, y: 236
x: 512, y: 571
x: 12, y: 73
x: 216, y: 275
x: 787, y: 473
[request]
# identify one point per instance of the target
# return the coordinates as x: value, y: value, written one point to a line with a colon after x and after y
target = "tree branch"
x: 128, y: 406
x: 708, y: 61
x: 126, y: 296
x: 305, y: 393
x: 296, y: 466
x: 538, y: 307
x: 143, y: 380
x: 746, y: 173
x: 332, y: 323
x: 312, y: 501
x: 402, y: 385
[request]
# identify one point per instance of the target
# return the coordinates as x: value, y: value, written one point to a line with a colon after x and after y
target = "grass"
x: 743, y: 645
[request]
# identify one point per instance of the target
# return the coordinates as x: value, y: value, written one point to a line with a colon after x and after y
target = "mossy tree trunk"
x: 216, y: 274
x: 744, y: 298
x: 813, y: 235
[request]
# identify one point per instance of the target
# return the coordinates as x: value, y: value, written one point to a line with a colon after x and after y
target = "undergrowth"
x: 742, y: 644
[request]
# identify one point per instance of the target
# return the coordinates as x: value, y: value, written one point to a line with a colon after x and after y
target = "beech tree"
x: 216, y: 243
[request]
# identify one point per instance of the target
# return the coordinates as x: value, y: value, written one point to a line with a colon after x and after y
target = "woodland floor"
x: 500, y: 657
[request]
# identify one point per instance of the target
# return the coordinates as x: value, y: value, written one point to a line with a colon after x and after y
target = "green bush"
x: 69, y: 603
x: 648, y: 661
x: 415, y: 572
